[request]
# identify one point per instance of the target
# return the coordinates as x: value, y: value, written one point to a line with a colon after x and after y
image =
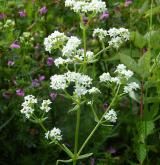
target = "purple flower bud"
x: 15, y: 45
x: 104, y: 15
x: 6, y: 95
x: 10, y: 63
x: 41, y: 77
x: 50, y: 61
x: 85, y: 20
x: 43, y: 10
x: 53, y: 96
x: 22, y: 13
x: 35, y: 83
x: 20, y: 92
x: 127, y: 3
x: 105, y: 105
x: 144, y: 50
x: 92, y: 161
x: 2, y: 16
x: 112, y: 150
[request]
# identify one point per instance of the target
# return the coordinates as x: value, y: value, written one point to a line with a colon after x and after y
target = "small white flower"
x: 58, y: 82
x: 111, y: 116
x: 86, y: 6
x: 105, y: 77
x: 80, y: 90
x: 94, y: 90
x: 100, y: 33
x: 131, y: 87
x: 54, y: 41
x: 45, y: 105
x: 116, y: 80
x: 71, y: 46
x: 89, y: 103
x: 28, y: 105
x: 54, y: 134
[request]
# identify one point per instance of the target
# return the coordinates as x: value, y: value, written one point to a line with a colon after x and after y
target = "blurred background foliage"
x: 130, y: 141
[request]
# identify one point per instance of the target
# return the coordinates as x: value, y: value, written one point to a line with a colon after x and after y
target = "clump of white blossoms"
x: 28, y: 105
x: 122, y: 72
x: 71, y: 46
x: 111, y: 116
x: 86, y: 6
x: 45, y: 105
x: 26, y: 38
x: 82, y: 83
x: 131, y: 87
x: 54, y: 134
x: 54, y: 41
x: 100, y: 33
x: 118, y: 36
x: 9, y: 24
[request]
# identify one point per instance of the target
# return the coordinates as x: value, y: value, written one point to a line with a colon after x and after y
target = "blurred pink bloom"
x: 53, y: 96
x: 10, y: 63
x: 22, y: 13
x: 6, y: 95
x: 15, y: 45
x: 112, y: 150
x: 43, y: 10
x: 35, y: 83
x: 50, y: 61
x: 127, y: 3
x: 104, y: 15
x: 2, y: 15
x: 41, y: 77
x: 20, y: 92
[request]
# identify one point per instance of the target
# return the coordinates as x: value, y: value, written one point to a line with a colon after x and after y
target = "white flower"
x: 54, y: 41
x: 80, y: 90
x: 86, y: 6
x: 89, y: 103
x: 101, y: 33
x: 122, y: 71
x: 54, y: 134
x: 58, y: 82
x: 116, y: 80
x: 118, y: 36
x: 105, y: 77
x: 111, y: 116
x: 28, y: 105
x: 131, y: 87
x: 94, y: 90
x: 71, y: 46
x: 45, y: 105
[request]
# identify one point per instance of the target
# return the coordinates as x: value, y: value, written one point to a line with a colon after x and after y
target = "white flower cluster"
x: 26, y: 38
x: 111, y: 116
x: 118, y: 36
x: 45, y: 105
x: 28, y: 105
x: 9, y: 24
x: 54, y: 41
x: 130, y: 87
x: 71, y: 46
x: 86, y: 6
x: 77, y: 57
x: 82, y: 83
x: 122, y: 72
x: 54, y: 134
x: 100, y: 33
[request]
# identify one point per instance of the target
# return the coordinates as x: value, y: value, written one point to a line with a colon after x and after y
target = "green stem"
x: 76, y: 136
x: 85, y: 48
x: 98, y: 124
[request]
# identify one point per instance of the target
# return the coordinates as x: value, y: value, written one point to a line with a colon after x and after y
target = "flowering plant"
x: 76, y: 83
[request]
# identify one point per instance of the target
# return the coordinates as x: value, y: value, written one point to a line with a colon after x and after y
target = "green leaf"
x: 68, y: 151
x: 141, y: 152
x: 153, y: 11
x: 144, y: 64
x: 145, y: 128
x: 138, y: 39
x: 85, y: 156
x: 130, y: 63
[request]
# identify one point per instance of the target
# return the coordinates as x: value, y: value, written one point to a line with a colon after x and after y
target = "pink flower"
x: 10, y: 63
x: 43, y: 10
x: 22, y: 13
x: 104, y: 15
x: 15, y: 45
x: 20, y: 92
x: 41, y: 77
x: 50, y: 61
x: 53, y: 96
x: 127, y: 3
